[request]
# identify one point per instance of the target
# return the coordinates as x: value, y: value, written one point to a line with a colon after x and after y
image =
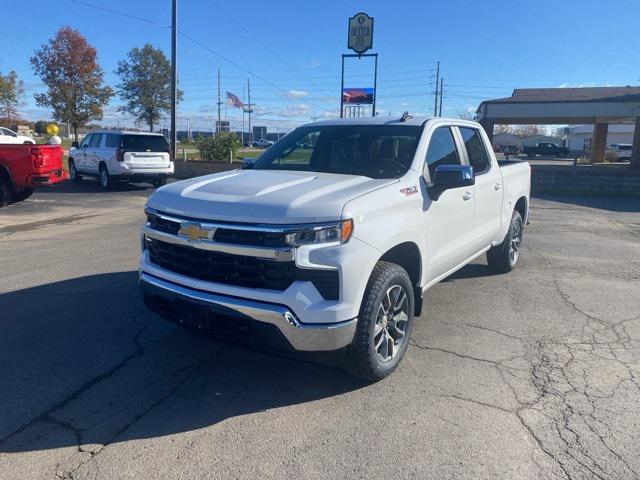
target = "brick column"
x: 488, y: 127
x: 635, y: 153
x: 599, y: 142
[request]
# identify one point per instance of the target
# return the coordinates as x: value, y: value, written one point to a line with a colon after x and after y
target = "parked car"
x: 24, y: 167
x: 262, y: 143
x: 546, y: 149
x: 9, y: 136
x: 622, y: 151
x: 330, y: 249
x: 121, y: 156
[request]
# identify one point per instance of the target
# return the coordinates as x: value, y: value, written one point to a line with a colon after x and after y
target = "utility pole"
x: 441, y: 93
x: 435, y: 106
x: 174, y: 89
x: 243, y: 109
x: 219, y: 124
x: 249, y: 112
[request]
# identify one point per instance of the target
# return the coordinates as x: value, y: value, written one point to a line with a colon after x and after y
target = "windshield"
x: 145, y: 143
x: 375, y: 151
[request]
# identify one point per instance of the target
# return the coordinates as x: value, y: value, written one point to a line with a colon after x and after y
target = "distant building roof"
x: 582, y: 94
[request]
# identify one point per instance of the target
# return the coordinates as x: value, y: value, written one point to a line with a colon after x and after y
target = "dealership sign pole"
x: 360, y: 39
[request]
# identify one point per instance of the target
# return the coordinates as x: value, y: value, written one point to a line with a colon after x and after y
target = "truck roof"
x: 411, y: 121
x: 415, y: 121
x: 125, y: 132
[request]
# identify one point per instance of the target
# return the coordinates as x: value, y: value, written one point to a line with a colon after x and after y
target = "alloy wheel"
x: 391, y: 323
x: 514, y: 245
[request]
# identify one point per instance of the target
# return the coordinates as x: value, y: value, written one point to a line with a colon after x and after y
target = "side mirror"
x: 75, y: 144
x: 247, y: 164
x: 447, y: 177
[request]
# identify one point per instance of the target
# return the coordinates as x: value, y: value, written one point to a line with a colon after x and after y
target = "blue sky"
x: 486, y: 49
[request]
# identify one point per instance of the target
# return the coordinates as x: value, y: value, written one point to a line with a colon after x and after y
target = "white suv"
x: 622, y: 150
x: 120, y: 155
x: 9, y: 136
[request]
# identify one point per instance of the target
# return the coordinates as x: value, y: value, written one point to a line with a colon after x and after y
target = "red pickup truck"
x: 23, y: 167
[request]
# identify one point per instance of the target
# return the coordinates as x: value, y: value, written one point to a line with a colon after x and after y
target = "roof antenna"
x: 405, y: 116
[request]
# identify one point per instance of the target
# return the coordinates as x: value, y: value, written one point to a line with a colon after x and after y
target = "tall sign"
x: 360, y: 33
x: 360, y: 39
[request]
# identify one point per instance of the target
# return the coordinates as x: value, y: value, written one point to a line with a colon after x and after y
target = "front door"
x: 448, y: 219
x: 80, y: 157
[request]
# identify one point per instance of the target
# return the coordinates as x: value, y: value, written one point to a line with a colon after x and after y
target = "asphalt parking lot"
x: 530, y: 375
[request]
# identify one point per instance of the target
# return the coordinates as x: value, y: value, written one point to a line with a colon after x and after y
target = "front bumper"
x: 222, y: 314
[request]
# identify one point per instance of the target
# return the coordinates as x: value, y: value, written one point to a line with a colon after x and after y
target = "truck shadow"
x: 83, y: 363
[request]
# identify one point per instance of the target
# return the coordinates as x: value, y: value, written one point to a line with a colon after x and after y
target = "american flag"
x: 234, y: 101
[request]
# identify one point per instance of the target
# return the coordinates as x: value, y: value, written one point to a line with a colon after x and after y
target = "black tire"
x: 104, y: 179
x: 21, y: 194
x: 159, y: 182
x: 73, y: 172
x: 364, y: 359
x: 6, y: 190
x: 503, y: 257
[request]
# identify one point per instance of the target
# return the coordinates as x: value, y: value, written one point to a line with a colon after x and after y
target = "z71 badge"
x: 409, y: 190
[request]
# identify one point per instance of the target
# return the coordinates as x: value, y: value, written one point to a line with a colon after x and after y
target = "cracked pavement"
x: 530, y: 375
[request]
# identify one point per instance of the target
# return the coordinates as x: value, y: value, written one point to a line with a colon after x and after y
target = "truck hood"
x: 264, y: 196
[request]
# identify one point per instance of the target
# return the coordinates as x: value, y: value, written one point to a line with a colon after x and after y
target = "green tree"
x: 11, y: 89
x: 40, y: 127
x: 145, y: 84
x: 218, y: 147
x: 68, y: 67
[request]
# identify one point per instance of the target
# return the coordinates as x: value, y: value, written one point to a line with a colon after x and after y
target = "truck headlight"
x: 330, y: 233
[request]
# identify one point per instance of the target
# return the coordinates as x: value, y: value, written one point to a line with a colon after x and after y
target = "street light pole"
x: 174, y: 89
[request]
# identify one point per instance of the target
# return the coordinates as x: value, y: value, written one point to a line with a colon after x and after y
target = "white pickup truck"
x: 327, y: 241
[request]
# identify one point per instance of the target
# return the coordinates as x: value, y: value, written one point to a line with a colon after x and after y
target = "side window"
x: 86, y: 141
x: 113, y: 140
x: 96, y: 140
x: 442, y: 150
x: 476, y: 152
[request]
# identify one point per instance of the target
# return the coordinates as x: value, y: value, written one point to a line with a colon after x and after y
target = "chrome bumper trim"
x: 284, y: 254
x: 302, y: 336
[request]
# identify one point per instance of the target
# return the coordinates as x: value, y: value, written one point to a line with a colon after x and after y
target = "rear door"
x: 145, y: 151
x: 448, y: 219
x: 488, y: 188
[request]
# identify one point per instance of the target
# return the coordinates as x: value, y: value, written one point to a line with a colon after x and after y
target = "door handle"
x: 467, y: 195
x: 497, y: 186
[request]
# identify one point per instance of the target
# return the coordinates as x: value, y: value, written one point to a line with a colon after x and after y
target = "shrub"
x: 219, y: 147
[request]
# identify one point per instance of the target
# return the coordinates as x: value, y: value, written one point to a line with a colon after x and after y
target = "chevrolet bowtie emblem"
x: 195, y: 232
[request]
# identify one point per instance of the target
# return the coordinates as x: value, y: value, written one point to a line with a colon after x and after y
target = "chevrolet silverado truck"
x: 24, y: 167
x: 330, y: 248
x: 545, y: 149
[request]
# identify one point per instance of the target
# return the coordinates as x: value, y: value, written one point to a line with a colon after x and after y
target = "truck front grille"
x: 258, y: 238
x: 239, y: 270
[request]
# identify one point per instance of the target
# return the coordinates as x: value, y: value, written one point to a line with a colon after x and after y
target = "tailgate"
x: 147, y: 159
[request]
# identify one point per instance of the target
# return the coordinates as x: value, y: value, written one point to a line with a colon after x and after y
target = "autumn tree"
x: 68, y: 67
x: 11, y: 89
x: 145, y: 87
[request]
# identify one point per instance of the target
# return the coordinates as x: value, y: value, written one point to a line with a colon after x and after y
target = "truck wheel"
x: 104, y: 177
x: 384, y: 324
x: 73, y: 172
x: 21, y: 194
x: 503, y: 257
x: 6, y: 190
